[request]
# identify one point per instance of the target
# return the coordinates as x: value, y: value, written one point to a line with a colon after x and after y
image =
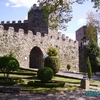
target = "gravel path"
x: 69, y: 95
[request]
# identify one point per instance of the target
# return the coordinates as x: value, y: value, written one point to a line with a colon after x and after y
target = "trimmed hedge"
x: 9, y: 81
x: 45, y: 74
x: 48, y: 84
x: 52, y: 62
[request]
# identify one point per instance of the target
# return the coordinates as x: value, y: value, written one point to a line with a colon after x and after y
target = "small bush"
x: 45, y: 74
x: 48, y: 84
x: 68, y: 67
x: 52, y: 62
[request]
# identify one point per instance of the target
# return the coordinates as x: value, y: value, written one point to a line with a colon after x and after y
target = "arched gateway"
x: 36, y: 58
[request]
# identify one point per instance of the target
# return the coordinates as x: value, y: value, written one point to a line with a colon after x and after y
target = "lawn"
x: 71, y: 84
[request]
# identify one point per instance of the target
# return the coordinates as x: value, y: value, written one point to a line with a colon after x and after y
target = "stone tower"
x: 36, y: 22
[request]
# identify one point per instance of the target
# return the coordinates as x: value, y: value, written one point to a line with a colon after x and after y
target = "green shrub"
x: 48, y: 84
x: 52, y: 62
x: 10, y: 81
x: 52, y: 51
x: 45, y: 74
x: 68, y: 67
x: 8, y: 64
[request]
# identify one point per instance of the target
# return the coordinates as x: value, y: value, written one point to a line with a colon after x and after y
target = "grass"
x: 40, y: 89
x: 71, y: 84
x: 75, y: 81
x: 68, y: 80
x: 18, y: 76
x: 94, y: 83
x: 45, y: 90
x: 58, y: 89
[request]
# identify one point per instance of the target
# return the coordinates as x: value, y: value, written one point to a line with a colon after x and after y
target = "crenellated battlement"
x: 14, y: 22
x: 59, y: 35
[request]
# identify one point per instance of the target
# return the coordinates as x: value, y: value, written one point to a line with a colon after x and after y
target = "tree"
x: 8, y: 64
x: 55, y: 11
x: 92, y: 25
x: 59, y: 11
x: 92, y: 19
x: 93, y: 52
x: 91, y: 32
x: 89, y: 68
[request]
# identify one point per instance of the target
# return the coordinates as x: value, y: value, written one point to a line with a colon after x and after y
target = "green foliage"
x: 52, y: 62
x: 91, y: 32
x: 52, y: 51
x: 56, y: 10
x: 68, y: 67
x: 89, y: 68
x: 10, y: 81
x: 93, y: 52
x: 48, y: 84
x: 61, y: 11
x: 96, y: 4
x: 8, y: 64
x: 45, y: 74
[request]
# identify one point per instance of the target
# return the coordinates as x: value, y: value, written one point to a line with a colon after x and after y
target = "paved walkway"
x: 70, y: 75
x: 69, y: 95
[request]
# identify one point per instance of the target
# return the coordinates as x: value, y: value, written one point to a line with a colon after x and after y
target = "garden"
x: 44, y: 80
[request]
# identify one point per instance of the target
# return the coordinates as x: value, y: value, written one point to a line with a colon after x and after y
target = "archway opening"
x: 36, y: 58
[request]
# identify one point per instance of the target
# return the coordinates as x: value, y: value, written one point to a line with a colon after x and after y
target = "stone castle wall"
x: 21, y: 45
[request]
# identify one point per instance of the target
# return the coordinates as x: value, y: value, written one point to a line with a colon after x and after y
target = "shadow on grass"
x: 67, y: 87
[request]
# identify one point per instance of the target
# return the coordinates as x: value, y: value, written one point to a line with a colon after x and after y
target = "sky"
x: 14, y: 10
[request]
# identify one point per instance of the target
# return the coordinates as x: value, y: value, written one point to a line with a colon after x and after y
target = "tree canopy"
x: 60, y: 11
x: 93, y: 52
x: 91, y: 33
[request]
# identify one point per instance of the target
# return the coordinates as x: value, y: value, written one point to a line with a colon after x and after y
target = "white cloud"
x: 7, y: 4
x: 22, y: 3
x: 81, y: 21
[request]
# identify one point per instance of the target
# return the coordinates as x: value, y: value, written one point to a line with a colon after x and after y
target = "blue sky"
x: 11, y: 10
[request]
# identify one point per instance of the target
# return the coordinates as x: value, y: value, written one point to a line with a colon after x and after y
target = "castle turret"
x: 36, y: 22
